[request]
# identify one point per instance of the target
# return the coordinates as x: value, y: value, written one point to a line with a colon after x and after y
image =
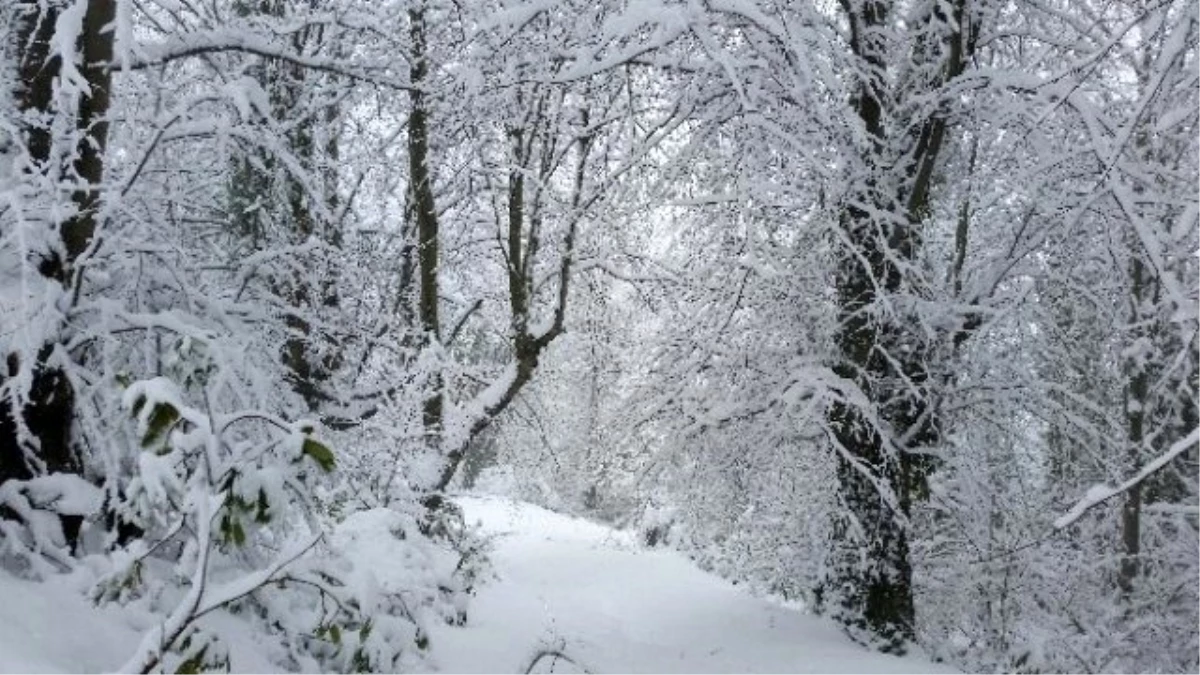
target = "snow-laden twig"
x: 157, y: 641
x: 1099, y: 494
x: 200, y: 599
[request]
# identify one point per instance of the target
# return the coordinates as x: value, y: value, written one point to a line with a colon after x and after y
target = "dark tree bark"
x: 37, y: 439
x: 885, y: 355
x: 310, y: 355
x: 96, y: 47
x: 1137, y: 402
x: 424, y: 211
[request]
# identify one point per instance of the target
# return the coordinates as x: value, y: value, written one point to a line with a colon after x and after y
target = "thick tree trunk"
x: 883, y: 353
x: 871, y: 574
x: 96, y: 47
x: 37, y: 439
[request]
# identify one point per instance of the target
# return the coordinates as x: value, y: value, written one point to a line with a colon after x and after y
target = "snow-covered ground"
x: 51, y: 627
x: 560, y: 585
x: 595, y: 595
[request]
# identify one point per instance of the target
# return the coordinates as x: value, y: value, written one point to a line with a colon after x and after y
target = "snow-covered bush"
x: 219, y: 521
x: 32, y: 540
x: 230, y: 523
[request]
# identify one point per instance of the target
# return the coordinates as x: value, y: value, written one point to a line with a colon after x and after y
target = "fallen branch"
x: 556, y: 655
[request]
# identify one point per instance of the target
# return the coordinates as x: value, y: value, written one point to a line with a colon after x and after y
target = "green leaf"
x: 335, y: 634
x: 322, y: 455
x: 138, y: 404
x: 134, y: 578
x: 238, y: 533
x: 262, y: 513
x: 194, y: 664
x: 162, y: 418
x: 232, y: 531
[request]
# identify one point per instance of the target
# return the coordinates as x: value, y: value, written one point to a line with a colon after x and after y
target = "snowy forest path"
x: 599, y: 597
